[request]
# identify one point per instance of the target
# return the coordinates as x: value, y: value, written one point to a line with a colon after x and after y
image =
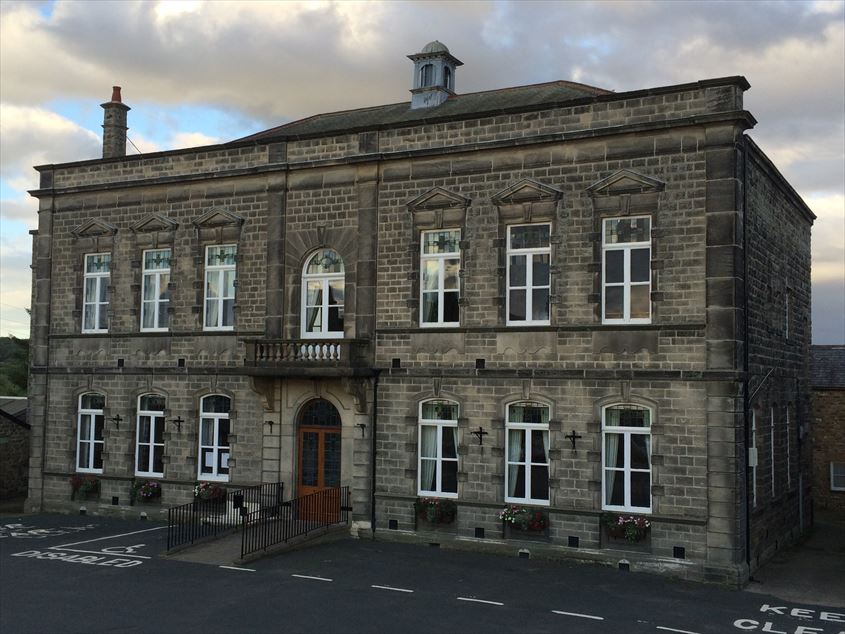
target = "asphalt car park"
x: 92, y: 574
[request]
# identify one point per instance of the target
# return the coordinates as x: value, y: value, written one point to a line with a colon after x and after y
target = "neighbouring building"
x: 556, y: 296
x: 827, y: 379
x: 14, y: 447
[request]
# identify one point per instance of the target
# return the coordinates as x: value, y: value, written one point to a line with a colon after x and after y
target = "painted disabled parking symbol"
x: 122, y: 550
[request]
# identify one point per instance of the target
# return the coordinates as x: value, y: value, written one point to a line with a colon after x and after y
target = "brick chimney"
x: 114, y: 125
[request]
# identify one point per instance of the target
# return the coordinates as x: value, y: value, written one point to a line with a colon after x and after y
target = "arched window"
x: 527, y: 451
x: 322, y: 296
x: 626, y: 456
x: 438, y: 449
x: 214, y: 437
x: 427, y: 75
x: 89, y: 436
x: 447, y: 78
x: 149, y: 444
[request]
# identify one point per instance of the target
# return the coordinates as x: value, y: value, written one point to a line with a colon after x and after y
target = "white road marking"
x: 582, y: 616
x: 99, y: 539
x: 312, y: 578
x: 671, y: 629
x: 479, y: 601
x: 96, y: 552
x: 394, y: 589
x: 236, y: 568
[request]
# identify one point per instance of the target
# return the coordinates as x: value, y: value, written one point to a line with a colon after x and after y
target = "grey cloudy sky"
x: 202, y: 72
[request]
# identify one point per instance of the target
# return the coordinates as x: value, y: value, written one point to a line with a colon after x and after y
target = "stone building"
x: 827, y: 378
x: 14, y: 447
x: 555, y: 296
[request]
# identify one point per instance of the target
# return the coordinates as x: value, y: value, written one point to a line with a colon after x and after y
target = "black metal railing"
x: 296, y: 517
x: 206, y: 519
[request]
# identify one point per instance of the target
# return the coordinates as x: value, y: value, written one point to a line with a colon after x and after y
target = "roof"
x: 456, y: 106
x: 827, y: 367
x: 14, y: 408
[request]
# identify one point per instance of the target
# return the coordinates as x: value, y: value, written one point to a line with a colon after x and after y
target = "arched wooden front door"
x: 318, y: 464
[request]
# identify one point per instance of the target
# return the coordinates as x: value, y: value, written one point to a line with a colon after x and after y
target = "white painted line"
x: 479, y: 601
x: 581, y: 616
x: 236, y: 568
x: 99, y: 539
x: 97, y: 552
x: 671, y: 629
x: 312, y: 578
x: 394, y: 589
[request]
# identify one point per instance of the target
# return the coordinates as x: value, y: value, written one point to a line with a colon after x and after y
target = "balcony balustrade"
x: 307, y: 356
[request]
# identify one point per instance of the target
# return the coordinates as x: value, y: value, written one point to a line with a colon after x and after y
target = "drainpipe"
x: 746, y: 409
x: 373, y: 457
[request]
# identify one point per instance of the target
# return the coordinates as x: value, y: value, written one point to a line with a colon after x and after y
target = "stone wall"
x: 828, y: 431
x: 14, y: 458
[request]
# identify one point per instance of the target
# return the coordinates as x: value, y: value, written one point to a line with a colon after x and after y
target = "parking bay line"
x: 581, y: 616
x: 391, y: 588
x: 671, y: 629
x: 98, y: 539
x: 479, y: 601
x: 236, y: 568
x: 312, y: 578
x: 95, y: 552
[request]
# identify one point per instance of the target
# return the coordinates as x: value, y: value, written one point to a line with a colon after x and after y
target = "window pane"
x: 539, y: 439
x: 104, y: 290
x: 428, y: 441
x: 149, y: 311
x: 223, y: 433
x: 429, y: 307
x: 211, y: 319
x: 158, y: 459
x: 640, y: 446
x: 516, y: 310
x: 614, y: 487
x: 620, y: 230
x: 84, y: 458
x: 152, y: 403
x: 157, y: 260
x: 540, y: 274
x: 221, y: 256
x: 323, y: 262
x: 441, y: 241
x: 314, y: 294
x: 98, y: 455
x: 309, y: 458
x: 163, y: 290
x: 212, y: 284
x: 99, y: 423
x: 540, y: 483
x: 336, y: 319
x: 158, y: 429
x: 450, y: 274
x: 449, y: 477
x: 163, y: 316
x: 103, y: 317
x: 640, y: 301
x: 528, y: 412
x: 150, y: 287
x: 336, y: 288
x: 516, y: 445
x: 228, y: 312
x: 85, y: 427
x: 450, y: 447
x: 428, y: 475
x: 451, y: 310
x: 228, y: 283
x: 640, y: 265
x: 100, y: 263
x: 144, y: 429
x: 614, y: 307
x: 431, y: 275
x: 143, y: 458
x: 614, y: 450
x: 439, y: 410
x: 207, y: 431
x: 517, y: 270
x: 530, y: 237
x: 627, y: 416
x: 516, y: 481
x: 540, y: 304
x: 93, y: 401
x: 206, y: 456
x: 640, y: 489
x: 614, y: 266
x: 217, y: 404
x: 89, y: 319
x: 331, y: 460
x: 313, y: 319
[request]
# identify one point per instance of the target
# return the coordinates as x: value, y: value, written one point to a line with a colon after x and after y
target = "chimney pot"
x: 115, y: 94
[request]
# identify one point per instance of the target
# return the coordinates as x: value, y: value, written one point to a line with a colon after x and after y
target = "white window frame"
x: 221, y: 288
x: 156, y: 418
x: 626, y: 283
x: 526, y: 429
x: 214, y: 418
x: 325, y: 279
x: 833, y: 485
x: 529, y: 287
x: 90, y: 442
x: 96, y: 305
x: 441, y: 291
x: 439, y: 424
x: 158, y: 305
x: 627, y: 469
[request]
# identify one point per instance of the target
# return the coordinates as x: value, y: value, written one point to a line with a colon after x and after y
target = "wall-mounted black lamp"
x: 271, y: 423
x: 178, y: 420
x: 362, y: 427
x: 573, y: 437
x: 480, y: 434
x: 116, y: 419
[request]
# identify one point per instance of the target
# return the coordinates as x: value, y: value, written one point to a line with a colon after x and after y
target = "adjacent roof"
x: 827, y: 367
x: 456, y: 106
x: 14, y: 408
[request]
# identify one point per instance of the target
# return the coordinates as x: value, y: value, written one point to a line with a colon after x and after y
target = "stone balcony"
x: 308, y: 357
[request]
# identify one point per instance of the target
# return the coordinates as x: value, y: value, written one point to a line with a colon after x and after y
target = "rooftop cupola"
x: 114, y: 125
x: 434, y: 75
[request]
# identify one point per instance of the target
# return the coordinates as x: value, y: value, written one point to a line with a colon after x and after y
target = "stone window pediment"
x: 94, y: 228
x: 625, y: 182
x: 153, y: 223
x: 438, y: 208
x: 214, y: 218
x: 527, y: 201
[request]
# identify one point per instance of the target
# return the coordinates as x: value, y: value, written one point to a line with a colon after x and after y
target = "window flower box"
x: 84, y: 487
x: 145, y: 492
x: 435, y: 511
x: 209, y: 496
x: 631, y: 532
x: 523, y: 522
